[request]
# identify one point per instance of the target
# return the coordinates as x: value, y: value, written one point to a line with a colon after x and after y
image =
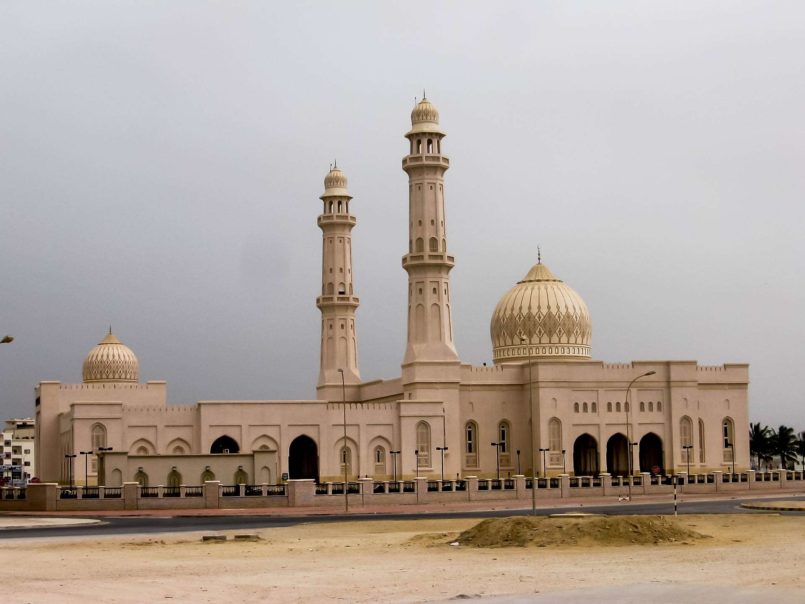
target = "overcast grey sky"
x: 161, y: 162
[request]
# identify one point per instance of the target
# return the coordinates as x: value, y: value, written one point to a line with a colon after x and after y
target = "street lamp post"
x: 732, y: 457
x: 394, y: 455
x: 518, y: 463
x: 70, y: 457
x: 416, y: 454
x: 628, y: 430
x: 531, y: 431
x: 344, y: 451
x: 86, y: 455
x: 688, y: 449
x: 544, y: 472
x: 564, y: 466
x: 442, y: 450
x: 497, y: 456
x: 101, y: 465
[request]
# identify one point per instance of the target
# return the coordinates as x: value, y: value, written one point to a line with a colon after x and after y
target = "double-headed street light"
x: 531, y: 451
x: 688, y: 449
x: 394, y: 455
x: 344, y: 451
x: 86, y: 455
x: 442, y: 450
x: 497, y: 455
x: 628, y: 431
x: 70, y: 457
x: 544, y: 451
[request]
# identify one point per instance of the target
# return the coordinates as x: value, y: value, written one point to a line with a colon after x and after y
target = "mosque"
x: 545, y: 406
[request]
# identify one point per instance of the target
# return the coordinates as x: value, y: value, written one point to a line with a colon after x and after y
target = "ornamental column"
x: 430, y: 323
x: 339, y: 338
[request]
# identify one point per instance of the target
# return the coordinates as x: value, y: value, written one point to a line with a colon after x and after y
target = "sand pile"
x: 523, y: 531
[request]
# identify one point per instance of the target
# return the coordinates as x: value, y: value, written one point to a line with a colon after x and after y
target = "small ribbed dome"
x: 425, y: 118
x: 545, y: 311
x: 111, y: 361
x: 335, y: 183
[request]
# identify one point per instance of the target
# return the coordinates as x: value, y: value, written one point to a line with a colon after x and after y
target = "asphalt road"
x: 146, y: 525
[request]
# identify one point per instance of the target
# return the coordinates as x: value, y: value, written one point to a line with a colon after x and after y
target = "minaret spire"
x: 430, y: 324
x: 339, y: 338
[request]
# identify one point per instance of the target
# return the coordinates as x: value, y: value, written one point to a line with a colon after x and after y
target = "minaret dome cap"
x: 335, y: 184
x: 425, y: 119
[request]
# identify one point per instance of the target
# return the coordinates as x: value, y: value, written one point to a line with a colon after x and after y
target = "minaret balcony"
x: 338, y: 300
x: 425, y: 258
x: 411, y: 161
x: 336, y: 219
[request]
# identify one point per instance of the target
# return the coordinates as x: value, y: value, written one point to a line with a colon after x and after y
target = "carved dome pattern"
x: 335, y: 183
x: 551, y: 316
x: 111, y: 361
x: 424, y: 111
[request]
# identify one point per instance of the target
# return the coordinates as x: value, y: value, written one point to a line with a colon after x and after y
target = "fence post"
x: 302, y: 492
x: 42, y: 496
x: 367, y: 489
x: 718, y: 478
x: 472, y: 487
x: 131, y: 492
x: 212, y: 494
x: 751, y: 479
x: 564, y: 486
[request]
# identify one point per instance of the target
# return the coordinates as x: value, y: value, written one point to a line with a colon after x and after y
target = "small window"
x: 609, y: 407
x: 575, y: 407
x: 594, y: 407
x: 584, y: 408
x: 618, y: 407
x: 651, y: 406
x: 642, y: 406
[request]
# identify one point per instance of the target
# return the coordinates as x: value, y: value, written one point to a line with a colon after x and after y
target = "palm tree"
x: 801, y: 448
x: 783, y: 442
x: 758, y: 441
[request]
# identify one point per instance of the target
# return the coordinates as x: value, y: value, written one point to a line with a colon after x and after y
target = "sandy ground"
x: 403, y: 561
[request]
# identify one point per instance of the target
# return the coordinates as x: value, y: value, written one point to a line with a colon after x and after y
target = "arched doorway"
x: 651, y: 454
x: 617, y: 455
x: 585, y: 456
x: 303, y: 458
x: 225, y: 444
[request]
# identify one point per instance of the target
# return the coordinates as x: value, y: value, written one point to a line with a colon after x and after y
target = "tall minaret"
x: 430, y: 323
x: 339, y: 339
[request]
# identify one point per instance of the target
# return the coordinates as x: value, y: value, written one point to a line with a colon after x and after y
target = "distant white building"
x: 17, y: 450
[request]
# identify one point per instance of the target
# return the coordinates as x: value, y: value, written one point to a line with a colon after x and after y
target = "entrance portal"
x: 585, y: 456
x: 617, y: 455
x: 225, y: 444
x: 651, y: 454
x: 303, y: 458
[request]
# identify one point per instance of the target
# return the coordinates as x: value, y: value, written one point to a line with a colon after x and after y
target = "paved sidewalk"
x: 412, y: 509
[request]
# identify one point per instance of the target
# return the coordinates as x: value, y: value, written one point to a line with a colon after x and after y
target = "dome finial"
x: 539, y: 256
x: 335, y: 164
x: 424, y: 96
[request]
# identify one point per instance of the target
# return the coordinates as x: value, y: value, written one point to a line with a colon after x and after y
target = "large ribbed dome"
x: 111, y: 361
x: 544, y: 314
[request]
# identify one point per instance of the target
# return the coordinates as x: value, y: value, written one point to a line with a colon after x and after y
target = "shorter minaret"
x: 339, y: 337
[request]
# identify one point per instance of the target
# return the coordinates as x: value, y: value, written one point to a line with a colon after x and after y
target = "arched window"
x: 728, y: 432
x: 471, y: 442
x: 420, y: 245
x: 225, y: 444
x: 207, y: 475
x: 642, y: 406
x: 142, y: 450
x: 178, y: 450
x: 471, y: 445
x: 430, y: 145
x: 627, y: 406
x: 423, y: 443
x: 98, y: 436
x: 651, y: 406
x: 434, y: 244
x: 618, y: 407
x: 701, y: 441
x: 174, y: 478
x: 342, y: 289
x: 331, y: 207
x: 584, y: 407
x: 555, y: 434
x: 659, y: 405
x: 340, y: 206
x: 141, y: 478
x: 380, y: 456
x: 575, y: 407
x: 419, y: 145
x: 438, y: 146
x: 241, y: 477
x: 609, y: 407
x: 594, y: 407
x: 685, y: 437
x: 504, y: 435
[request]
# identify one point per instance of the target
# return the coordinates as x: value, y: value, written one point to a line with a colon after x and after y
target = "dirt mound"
x: 523, y: 531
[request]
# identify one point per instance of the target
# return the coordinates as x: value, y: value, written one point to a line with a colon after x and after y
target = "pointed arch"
x: 264, y: 443
x: 423, y: 443
x: 178, y: 446
x: 97, y: 436
x: 224, y: 444
x: 142, y: 446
